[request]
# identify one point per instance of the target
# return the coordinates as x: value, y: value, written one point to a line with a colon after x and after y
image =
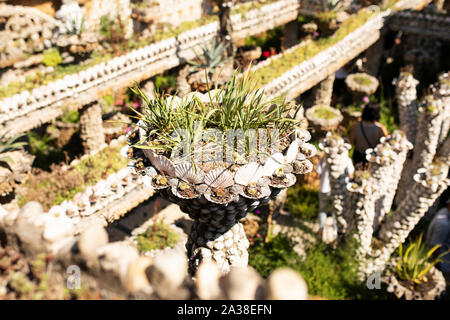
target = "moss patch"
x: 157, y: 236
x: 52, y: 188
x: 303, y: 202
x: 279, y: 66
x: 324, y: 112
x: 364, y: 81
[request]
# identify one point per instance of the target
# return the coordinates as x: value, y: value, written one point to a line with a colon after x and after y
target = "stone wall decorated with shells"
x: 153, y: 59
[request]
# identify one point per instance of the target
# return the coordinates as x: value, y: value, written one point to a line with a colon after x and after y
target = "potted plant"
x: 360, y: 85
x: 331, y: 18
x: 212, y: 63
x: 218, y: 156
x: 413, y: 275
x: 323, y: 118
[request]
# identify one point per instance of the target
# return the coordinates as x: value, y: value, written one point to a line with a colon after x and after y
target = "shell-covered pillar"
x: 323, y: 91
x: 362, y: 204
x: 385, y: 166
x: 444, y: 93
x: 406, y: 94
x: 91, y: 122
x: 425, y: 145
x: 182, y: 84
x: 336, y: 153
x: 428, y: 185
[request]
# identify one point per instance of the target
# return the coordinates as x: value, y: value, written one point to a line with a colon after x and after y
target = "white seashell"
x: 209, y: 197
x: 249, y: 173
x: 289, y: 181
x: 186, y: 172
x: 175, y: 190
x: 124, y: 151
x: 164, y: 165
x: 292, y: 151
x: 302, y: 167
x: 147, y: 181
x: 308, y: 150
x: 150, y: 171
x: 302, y: 134
x: 219, y: 178
x: 275, y: 162
x: 264, y: 192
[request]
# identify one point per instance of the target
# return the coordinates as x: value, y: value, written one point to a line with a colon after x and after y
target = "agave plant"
x: 10, y: 144
x: 210, y: 59
x: 414, y: 263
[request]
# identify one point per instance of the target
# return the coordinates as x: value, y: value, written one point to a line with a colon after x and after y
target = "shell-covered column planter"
x: 323, y: 91
x: 336, y: 152
x: 323, y: 118
x: 385, y: 166
x: 216, y: 195
x: 406, y: 94
x: 425, y: 145
x: 361, y: 84
x: 425, y: 291
x: 429, y: 183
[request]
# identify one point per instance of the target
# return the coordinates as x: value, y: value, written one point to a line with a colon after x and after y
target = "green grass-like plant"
x: 242, y: 107
x: 52, y: 57
x: 416, y: 261
x: 211, y: 57
x: 9, y: 144
x: 157, y: 236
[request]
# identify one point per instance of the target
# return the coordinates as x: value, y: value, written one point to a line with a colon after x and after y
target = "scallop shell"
x: 150, y: 171
x: 174, y: 189
x: 163, y: 164
x: 302, y: 134
x: 275, y: 162
x: 264, y: 193
x: 186, y: 172
x: 208, y: 197
x: 292, y: 151
x: 308, y: 150
x: 302, y: 167
x: 249, y: 173
x: 290, y: 181
x: 219, y: 178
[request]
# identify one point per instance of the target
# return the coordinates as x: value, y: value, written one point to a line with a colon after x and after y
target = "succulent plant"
x: 210, y: 59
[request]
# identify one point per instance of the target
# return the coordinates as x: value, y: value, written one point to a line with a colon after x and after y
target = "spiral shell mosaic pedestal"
x: 216, y: 233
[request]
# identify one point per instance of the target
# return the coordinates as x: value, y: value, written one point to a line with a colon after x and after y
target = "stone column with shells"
x: 426, y: 142
x: 92, y: 133
x: 216, y: 193
x: 323, y: 91
x: 428, y: 184
x: 385, y: 166
x: 444, y: 93
x: 362, y: 206
x: 406, y: 94
x: 336, y: 153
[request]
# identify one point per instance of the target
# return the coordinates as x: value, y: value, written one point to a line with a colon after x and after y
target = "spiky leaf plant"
x: 238, y: 105
x: 210, y: 58
x: 10, y: 144
x: 415, y: 262
x: 74, y: 24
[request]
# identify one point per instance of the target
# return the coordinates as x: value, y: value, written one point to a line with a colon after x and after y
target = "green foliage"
x: 210, y: 59
x: 414, y: 263
x: 329, y: 273
x: 271, y: 38
x: 52, y: 57
x: 241, y: 107
x: 279, y: 66
x: 10, y: 144
x: 303, y: 202
x: 165, y: 82
x: 157, y: 236
x: 70, y: 116
x: 326, y: 16
x: 75, y: 24
x: 52, y: 188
